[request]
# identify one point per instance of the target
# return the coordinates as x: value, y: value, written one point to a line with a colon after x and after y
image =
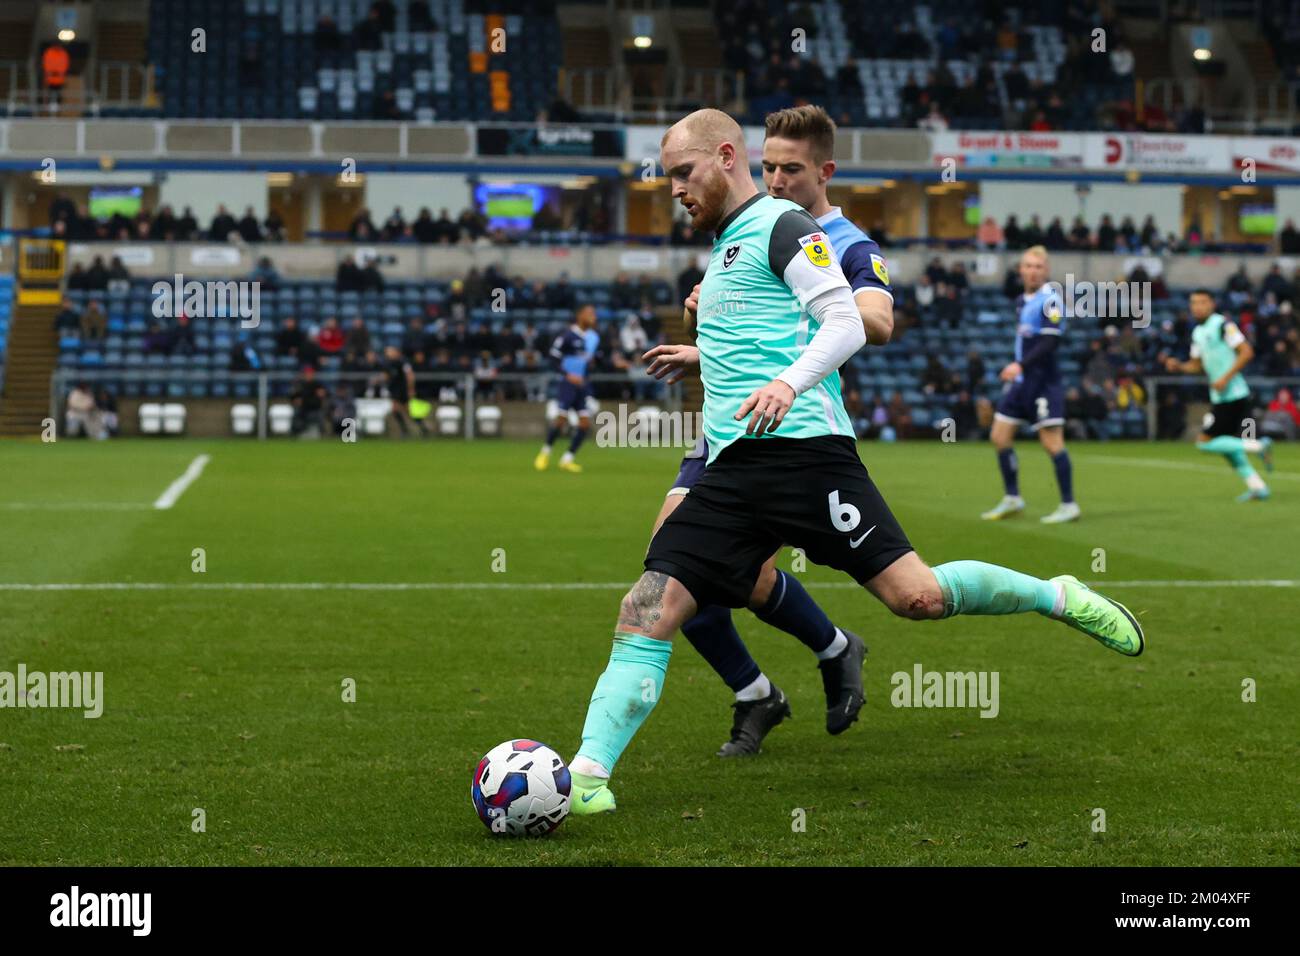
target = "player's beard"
x: 711, y: 203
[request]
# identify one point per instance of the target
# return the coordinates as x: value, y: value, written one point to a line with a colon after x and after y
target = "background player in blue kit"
x: 797, y: 165
x: 1034, y: 394
x: 572, y: 353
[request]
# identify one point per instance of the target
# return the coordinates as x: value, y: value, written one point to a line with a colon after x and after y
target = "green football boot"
x: 590, y: 795
x: 1099, y: 617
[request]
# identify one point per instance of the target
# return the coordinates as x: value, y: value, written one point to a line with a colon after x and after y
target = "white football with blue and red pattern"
x: 521, y: 788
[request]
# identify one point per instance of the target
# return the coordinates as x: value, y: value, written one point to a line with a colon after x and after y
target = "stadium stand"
x: 333, y: 59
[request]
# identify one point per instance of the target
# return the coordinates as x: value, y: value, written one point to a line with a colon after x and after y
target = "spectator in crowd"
x: 936, y: 379
x: 990, y: 235
x: 97, y: 275
x: 83, y: 415
x: 157, y: 340
x: 394, y: 226
x: 248, y: 228
x: 243, y: 357
x: 106, y: 402
x: 446, y: 230
x: 187, y: 227
x: 265, y: 274
x: 348, y: 278
x: 947, y: 306
x: 290, y: 340
x: 1282, y: 419
x: 369, y: 33
x: 94, y: 323
x: 923, y: 292
x: 117, y: 271
x: 1080, y: 235
x: 1238, y: 289
x: 1288, y: 240
x: 934, y: 121
x: 371, y: 278
x: 1013, y: 238
x: 68, y: 318
x: 362, y: 229
x: 329, y: 338
x: 77, y: 278
x: 327, y: 37
x: 900, y: 416
x: 1107, y: 234
x: 182, y: 337
x: 308, y: 398
x: 223, y: 224
x: 358, y: 337
x: 1278, y: 285
x: 424, y: 229
x: 419, y: 18
x: 1055, y: 239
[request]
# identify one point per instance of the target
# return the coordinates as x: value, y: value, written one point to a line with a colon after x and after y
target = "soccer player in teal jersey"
x: 798, y: 163
x: 776, y: 320
x: 1221, y: 351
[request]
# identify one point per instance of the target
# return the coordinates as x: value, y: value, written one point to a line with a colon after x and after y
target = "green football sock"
x: 973, y: 587
x: 624, y: 696
x: 1222, y: 445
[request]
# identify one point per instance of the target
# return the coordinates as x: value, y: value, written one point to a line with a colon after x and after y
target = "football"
x: 521, y: 788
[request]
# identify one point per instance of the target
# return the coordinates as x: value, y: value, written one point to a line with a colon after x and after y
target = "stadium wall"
x: 203, y: 192
x: 1023, y: 199
x: 406, y: 261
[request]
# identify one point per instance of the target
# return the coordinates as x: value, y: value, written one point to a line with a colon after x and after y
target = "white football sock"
x: 566, y: 457
x: 1252, y: 445
x: 1254, y: 482
x: 588, y: 768
x: 835, y: 648
x: 546, y: 449
x: 759, y: 688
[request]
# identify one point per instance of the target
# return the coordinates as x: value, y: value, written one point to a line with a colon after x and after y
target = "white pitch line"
x: 74, y: 506
x: 177, y: 487
x: 525, y: 585
x: 1179, y: 466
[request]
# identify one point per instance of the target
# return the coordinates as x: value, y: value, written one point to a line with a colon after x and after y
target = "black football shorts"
x: 762, y: 493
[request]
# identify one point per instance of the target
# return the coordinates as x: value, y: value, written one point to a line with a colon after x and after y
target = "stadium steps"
x: 122, y: 41
x: 587, y: 56
x: 16, y: 40
x: 700, y: 48
x: 33, y: 352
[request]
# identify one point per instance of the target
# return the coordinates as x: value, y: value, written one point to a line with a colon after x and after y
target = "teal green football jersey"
x: 1215, y: 342
x: 770, y: 259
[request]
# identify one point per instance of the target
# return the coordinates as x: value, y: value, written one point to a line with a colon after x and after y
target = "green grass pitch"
x: 231, y: 700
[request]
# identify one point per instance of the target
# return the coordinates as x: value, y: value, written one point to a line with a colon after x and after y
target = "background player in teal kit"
x: 1221, y: 351
x: 777, y: 320
x: 1034, y: 393
x: 571, y: 354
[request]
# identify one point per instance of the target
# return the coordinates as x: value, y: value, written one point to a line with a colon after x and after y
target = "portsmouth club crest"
x: 731, y: 254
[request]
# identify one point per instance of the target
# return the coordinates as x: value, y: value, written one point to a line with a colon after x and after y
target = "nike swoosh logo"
x: 586, y: 797
x: 854, y: 544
